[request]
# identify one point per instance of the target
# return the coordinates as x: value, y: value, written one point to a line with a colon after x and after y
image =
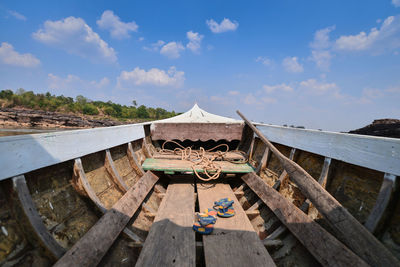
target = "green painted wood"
x: 168, y: 165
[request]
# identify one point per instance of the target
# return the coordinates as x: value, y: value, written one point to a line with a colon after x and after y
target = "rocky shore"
x: 381, y: 127
x: 28, y: 118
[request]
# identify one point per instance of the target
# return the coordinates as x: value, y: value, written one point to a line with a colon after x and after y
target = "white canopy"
x: 197, y: 115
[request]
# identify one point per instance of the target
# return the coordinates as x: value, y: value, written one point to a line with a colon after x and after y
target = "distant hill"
x: 381, y: 127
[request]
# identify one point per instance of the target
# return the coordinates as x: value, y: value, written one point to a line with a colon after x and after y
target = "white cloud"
x: 16, y: 15
x: 76, y: 37
x: 11, y: 57
x: 396, y: 3
x: 321, y: 46
x: 74, y: 83
x: 118, y: 29
x: 250, y: 99
x: 279, y: 87
x: 233, y: 93
x: 264, y: 60
x: 318, y: 88
x: 172, y: 49
x: 291, y: 64
x: 194, y: 41
x: 153, y: 76
x: 224, y: 26
x: 154, y: 46
x: 387, y: 37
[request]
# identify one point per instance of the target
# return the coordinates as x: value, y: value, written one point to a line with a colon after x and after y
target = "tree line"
x: 80, y: 105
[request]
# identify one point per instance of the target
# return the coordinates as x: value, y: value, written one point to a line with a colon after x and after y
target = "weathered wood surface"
x: 82, y: 185
x: 322, y: 245
x: 264, y: 161
x: 90, y: 249
x: 377, y: 153
x: 345, y: 226
x: 33, y: 218
x: 230, y: 155
x: 24, y: 153
x: 323, y: 177
x: 186, y: 166
x: 171, y: 240
x: 196, y: 131
x: 385, y: 194
x: 110, y: 167
x: 233, y: 241
x: 133, y: 160
x: 284, y: 173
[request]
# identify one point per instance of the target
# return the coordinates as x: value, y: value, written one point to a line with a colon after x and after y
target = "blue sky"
x: 333, y: 65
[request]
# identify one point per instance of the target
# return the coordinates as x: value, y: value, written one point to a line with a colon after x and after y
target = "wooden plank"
x: 385, y: 194
x: 90, y: 249
x: 322, y: 245
x: 233, y: 241
x: 377, y: 153
x: 134, y: 161
x: 186, y: 166
x: 264, y: 161
x: 23, y: 153
x: 40, y: 231
x: 110, y: 167
x: 345, y: 226
x: 230, y: 155
x: 145, y: 148
x: 171, y: 240
x: 324, y: 172
x: 284, y: 172
x: 82, y: 184
x: 196, y: 131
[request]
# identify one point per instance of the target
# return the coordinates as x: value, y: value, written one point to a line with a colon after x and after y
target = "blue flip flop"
x: 204, y: 230
x: 206, y: 219
x: 226, y: 212
x: 228, y: 202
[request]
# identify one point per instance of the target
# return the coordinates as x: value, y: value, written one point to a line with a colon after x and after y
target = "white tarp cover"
x: 197, y: 115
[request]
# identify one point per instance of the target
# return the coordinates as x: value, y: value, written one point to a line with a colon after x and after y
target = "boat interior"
x: 134, y: 203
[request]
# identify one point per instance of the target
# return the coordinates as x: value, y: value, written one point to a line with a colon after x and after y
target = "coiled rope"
x: 200, y: 159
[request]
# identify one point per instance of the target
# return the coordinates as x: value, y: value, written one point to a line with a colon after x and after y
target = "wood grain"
x: 29, y: 210
x: 322, y: 245
x: 171, y: 240
x: 110, y: 167
x: 233, y: 241
x: 133, y: 160
x: 344, y: 225
x: 186, y: 166
x: 90, y: 249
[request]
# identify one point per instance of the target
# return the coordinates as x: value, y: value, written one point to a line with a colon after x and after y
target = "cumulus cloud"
x: 279, y: 87
x: 16, y: 15
x: 264, y: 60
x: 319, y: 88
x: 387, y: 37
x: 321, y: 46
x: 224, y: 26
x: 194, y: 41
x: 154, y: 76
x: 233, y: 92
x: 250, y: 99
x: 118, y: 29
x: 291, y: 64
x: 11, y: 57
x: 73, y: 83
x: 76, y: 37
x: 396, y: 3
x: 172, y: 50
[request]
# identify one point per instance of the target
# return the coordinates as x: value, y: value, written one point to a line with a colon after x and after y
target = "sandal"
x: 204, y: 230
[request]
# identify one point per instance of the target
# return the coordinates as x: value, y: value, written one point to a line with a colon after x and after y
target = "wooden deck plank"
x: 233, y: 241
x: 171, y: 240
x: 90, y: 249
x: 186, y: 166
x: 231, y: 155
x: 321, y: 244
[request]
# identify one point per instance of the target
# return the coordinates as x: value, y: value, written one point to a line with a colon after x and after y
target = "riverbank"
x: 13, y: 118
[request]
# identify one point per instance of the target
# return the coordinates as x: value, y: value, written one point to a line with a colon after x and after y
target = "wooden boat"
x: 116, y: 196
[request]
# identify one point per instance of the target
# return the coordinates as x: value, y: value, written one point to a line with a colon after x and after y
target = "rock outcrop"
x: 381, y: 127
x: 28, y: 118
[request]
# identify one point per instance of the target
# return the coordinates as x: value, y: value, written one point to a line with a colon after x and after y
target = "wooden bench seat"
x: 233, y: 241
x: 171, y: 240
x: 231, y: 155
x: 175, y: 165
